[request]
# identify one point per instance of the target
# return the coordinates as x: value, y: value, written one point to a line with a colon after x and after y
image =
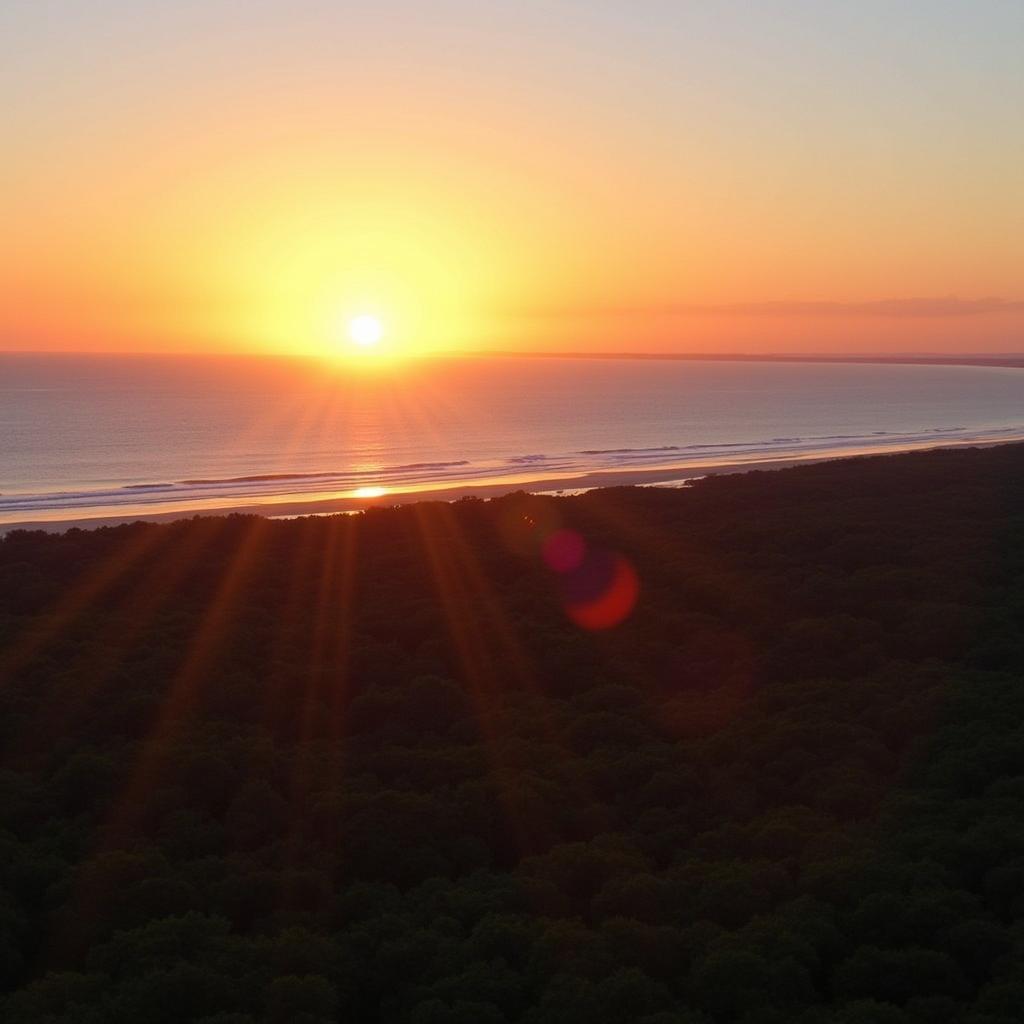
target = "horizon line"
x: 988, y: 358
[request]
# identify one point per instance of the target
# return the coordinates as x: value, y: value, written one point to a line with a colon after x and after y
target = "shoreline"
x: 676, y: 474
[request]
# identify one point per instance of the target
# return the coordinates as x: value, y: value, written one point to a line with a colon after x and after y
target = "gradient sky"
x: 548, y: 174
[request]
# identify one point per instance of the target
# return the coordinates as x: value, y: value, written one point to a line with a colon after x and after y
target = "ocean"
x: 91, y: 436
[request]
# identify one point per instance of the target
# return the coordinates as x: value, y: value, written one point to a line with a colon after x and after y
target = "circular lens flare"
x: 603, y: 598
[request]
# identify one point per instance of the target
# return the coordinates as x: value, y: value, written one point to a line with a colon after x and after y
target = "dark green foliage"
x: 365, y: 768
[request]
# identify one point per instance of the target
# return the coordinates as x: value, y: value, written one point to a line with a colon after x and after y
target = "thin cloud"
x: 942, y: 307
x: 917, y: 307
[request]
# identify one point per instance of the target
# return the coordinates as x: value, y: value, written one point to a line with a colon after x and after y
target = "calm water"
x: 93, y: 435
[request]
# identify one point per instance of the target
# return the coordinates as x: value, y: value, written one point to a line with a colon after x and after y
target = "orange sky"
x: 788, y: 177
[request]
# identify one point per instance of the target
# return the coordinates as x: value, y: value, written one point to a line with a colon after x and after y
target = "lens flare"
x: 600, y: 591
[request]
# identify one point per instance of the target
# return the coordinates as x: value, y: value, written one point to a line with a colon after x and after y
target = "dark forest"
x: 750, y: 751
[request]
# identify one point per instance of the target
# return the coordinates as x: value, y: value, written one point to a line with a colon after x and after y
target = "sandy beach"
x: 677, y: 474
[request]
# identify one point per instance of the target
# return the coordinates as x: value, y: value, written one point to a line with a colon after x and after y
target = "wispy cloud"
x: 940, y: 307
x: 915, y: 307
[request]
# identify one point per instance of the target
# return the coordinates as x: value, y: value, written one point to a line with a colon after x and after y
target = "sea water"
x: 84, y: 436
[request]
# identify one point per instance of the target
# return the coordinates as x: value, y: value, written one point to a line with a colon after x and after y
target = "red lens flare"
x: 599, y: 588
x: 601, y: 592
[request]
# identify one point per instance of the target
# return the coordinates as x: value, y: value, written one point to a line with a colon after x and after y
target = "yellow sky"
x: 558, y: 178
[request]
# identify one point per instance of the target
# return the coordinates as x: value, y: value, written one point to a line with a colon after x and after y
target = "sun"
x: 365, y: 330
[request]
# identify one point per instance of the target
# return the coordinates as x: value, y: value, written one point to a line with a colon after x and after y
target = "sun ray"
x: 183, y: 549
x: 78, y: 597
x: 182, y: 691
x: 488, y: 651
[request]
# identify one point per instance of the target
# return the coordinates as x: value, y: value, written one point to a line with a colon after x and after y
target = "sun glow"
x: 366, y: 341
x: 365, y: 331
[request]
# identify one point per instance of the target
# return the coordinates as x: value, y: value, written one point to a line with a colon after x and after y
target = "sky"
x: 547, y: 175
